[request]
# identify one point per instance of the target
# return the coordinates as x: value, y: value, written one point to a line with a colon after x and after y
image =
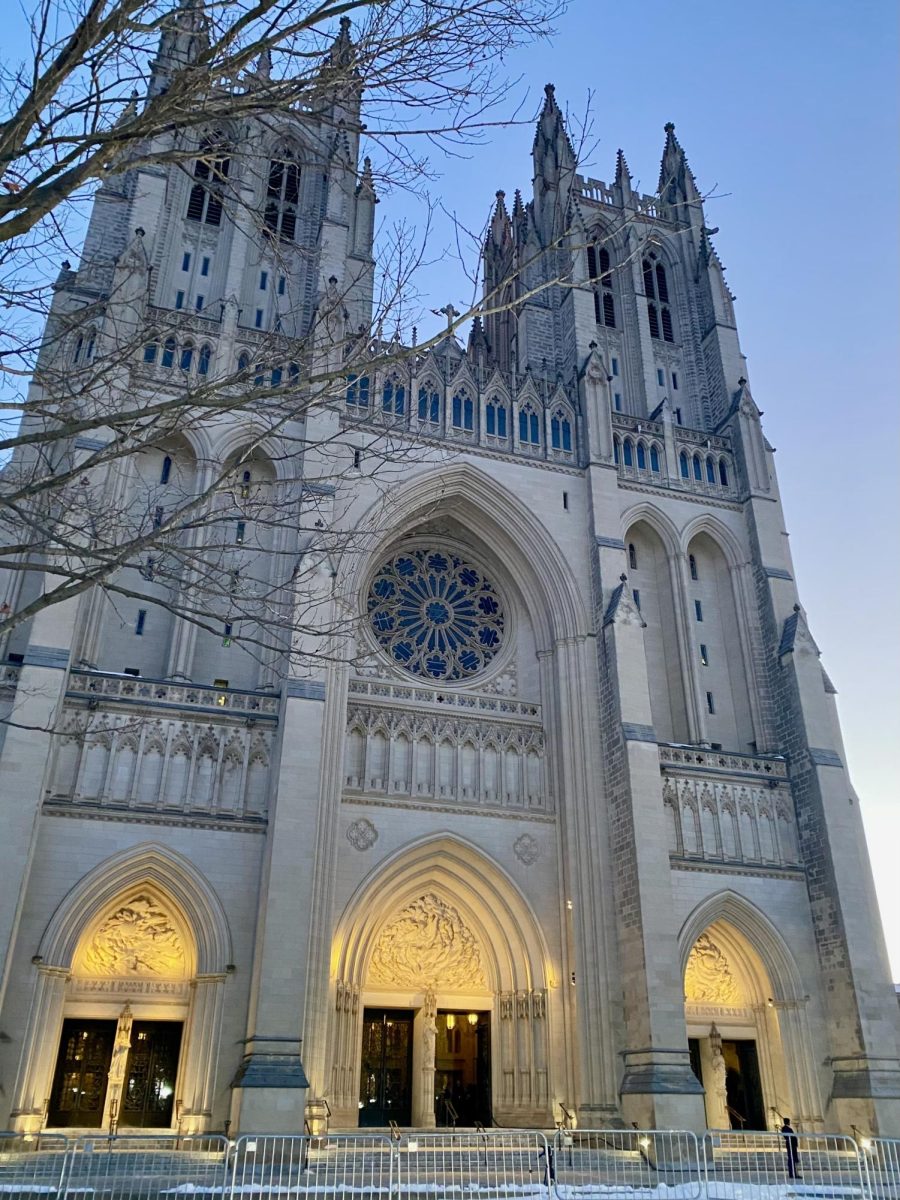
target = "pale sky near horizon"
x: 788, y: 112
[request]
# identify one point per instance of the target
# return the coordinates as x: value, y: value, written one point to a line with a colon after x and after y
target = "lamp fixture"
x: 451, y: 1020
x: 472, y: 1018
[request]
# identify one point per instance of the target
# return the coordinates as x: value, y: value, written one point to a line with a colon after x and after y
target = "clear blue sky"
x: 788, y: 108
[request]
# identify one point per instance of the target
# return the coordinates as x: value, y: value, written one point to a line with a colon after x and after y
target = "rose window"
x: 435, y: 614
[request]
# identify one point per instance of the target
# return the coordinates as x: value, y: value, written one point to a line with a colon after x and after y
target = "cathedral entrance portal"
x: 385, y: 1087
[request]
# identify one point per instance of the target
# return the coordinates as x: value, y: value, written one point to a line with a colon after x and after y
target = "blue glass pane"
x: 435, y: 614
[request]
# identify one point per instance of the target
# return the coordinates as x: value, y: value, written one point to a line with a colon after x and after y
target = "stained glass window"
x: 435, y: 614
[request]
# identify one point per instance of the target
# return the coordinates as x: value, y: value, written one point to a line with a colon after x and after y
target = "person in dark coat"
x: 792, y: 1149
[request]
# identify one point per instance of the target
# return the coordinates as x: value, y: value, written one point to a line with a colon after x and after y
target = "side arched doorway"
x: 439, y: 996
x: 746, y: 1020
x: 123, y: 1029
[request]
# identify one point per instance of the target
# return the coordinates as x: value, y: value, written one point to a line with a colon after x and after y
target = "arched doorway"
x: 124, y: 1025
x: 440, y: 999
x: 746, y: 1020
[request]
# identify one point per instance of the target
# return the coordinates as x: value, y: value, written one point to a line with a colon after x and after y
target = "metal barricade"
x: 146, y: 1167
x: 335, y: 1165
x: 32, y: 1164
x: 622, y: 1160
x: 881, y: 1164
x: 769, y: 1161
x: 494, y: 1162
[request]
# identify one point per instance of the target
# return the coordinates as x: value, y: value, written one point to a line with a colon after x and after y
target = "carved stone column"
x: 39, y: 1049
x: 201, y: 1054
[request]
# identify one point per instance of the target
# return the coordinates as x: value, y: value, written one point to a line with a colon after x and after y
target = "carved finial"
x: 796, y: 608
x: 549, y: 90
x: 669, y: 127
x: 623, y: 578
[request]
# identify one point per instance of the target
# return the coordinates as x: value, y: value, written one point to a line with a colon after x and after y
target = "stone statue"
x: 429, y: 1039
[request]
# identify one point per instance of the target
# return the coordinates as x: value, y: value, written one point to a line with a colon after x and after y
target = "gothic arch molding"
x: 490, y: 511
x: 731, y: 909
x: 657, y: 521
x: 719, y: 533
x: 505, y: 927
x: 197, y: 904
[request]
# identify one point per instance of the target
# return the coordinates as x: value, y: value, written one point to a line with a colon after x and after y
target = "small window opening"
x: 226, y: 641
x: 166, y: 470
x: 258, y: 320
x: 357, y: 458
x: 204, y: 265
x: 263, y: 280
x: 617, y: 401
x: 150, y: 351
x: 186, y: 261
x: 566, y: 501
x: 240, y: 533
x: 140, y: 622
x: 158, y: 516
x: 660, y: 376
x: 199, y: 302
x: 134, y: 672
x: 692, y: 562
x: 704, y: 656
x: 179, y: 299
x: 674, y: 381
x: 698, y: 610
x: 632, y: 557
x: 615, y: 366
x: 710, y: 703
x: 246, y: 480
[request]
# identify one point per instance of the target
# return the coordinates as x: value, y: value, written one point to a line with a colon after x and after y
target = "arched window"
x: 282, y: 198
x: 429, y: 407
x: 723, y: 472
x: 294, y: 372
x: 259, y: 379
x: 656, y: 289
x: 168, y: 354
x: 600, y: 271
x: 495, y: 417
x: 393, y: 397
x: 683, y: 465
x: 276, y: 376
x: 150, y: 352
x: 628, y: 453
x: 210, y: 173
x: 615, y: 450
x: 244, y: 361
x: 641, y: 457
x: 654, y: 460
x: 358, y: 391
x: 710, y: 471
x: 529, y: 427
x: 187, y: 357
x: 692, y: 563
x: 698, y: 473
x: 632, y: 557
x: 560, y: 431
x: 166, y: 470
x: 203, y: 360
x: 84, y: 348
x: 246, y: 480
x: 463, y: 412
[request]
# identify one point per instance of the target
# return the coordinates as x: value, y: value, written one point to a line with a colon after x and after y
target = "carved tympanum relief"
x: 708, y: 978
x: 138, y: 938
x: 427, y: 947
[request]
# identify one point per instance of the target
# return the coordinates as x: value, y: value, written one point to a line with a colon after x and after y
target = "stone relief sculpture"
x: 708, y: 978
x: 427, y: 946
x: 139, y: 938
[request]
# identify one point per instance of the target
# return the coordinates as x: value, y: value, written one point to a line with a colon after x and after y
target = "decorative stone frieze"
x: 427, y: 946
x: 708, y: 978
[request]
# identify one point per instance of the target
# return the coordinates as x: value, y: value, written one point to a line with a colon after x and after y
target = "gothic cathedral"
x: 565, y: 825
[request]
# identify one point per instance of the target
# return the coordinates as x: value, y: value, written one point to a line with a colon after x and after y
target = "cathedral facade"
x: 563, y: 826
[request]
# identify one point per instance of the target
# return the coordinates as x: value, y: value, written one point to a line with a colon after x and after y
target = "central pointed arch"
x: 490, y: 904
x: 496, y: 517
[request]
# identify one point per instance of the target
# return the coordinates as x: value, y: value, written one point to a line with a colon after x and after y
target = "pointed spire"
x: 622, y: 182
x: 551, y: 130
x: 676, y: 180
x: 621, y: 608
x: 366, y: 185
x: 185, y: 35
x: 341, y: 52
x: 501, y: 230
x: 264, y: 66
